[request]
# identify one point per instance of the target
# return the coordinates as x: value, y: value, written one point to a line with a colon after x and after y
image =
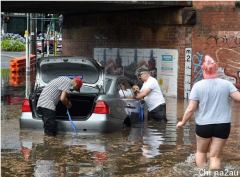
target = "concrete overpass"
x: 86, y: 7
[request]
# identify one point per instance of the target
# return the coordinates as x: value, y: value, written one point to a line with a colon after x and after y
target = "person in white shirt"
x: 124, y: 92
x: 152, y: 94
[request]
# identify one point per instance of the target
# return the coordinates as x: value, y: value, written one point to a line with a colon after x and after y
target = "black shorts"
x: 214, y: 130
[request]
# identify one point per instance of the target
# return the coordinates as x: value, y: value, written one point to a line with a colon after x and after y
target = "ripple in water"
x: 189, y: 168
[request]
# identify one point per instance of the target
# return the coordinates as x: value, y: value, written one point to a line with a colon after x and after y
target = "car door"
x: 131, y: 105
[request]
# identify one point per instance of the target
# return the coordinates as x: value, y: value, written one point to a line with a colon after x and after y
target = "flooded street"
x: 146, y: 149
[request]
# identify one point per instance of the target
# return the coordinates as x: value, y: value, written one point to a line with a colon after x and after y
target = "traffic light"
x: 7, y: 19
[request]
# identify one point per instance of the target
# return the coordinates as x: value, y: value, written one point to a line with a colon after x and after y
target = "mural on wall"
x: 126, y: 61
x: 162, y: 64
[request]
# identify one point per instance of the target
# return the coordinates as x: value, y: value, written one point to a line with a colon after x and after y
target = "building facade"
x: 189, y: 30
x: 215, y: 32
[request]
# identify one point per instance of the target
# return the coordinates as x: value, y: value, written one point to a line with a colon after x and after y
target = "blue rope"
x: 71, y: 121
x: 141, y: 112
x: 72, y: 142
x: 141, y: 116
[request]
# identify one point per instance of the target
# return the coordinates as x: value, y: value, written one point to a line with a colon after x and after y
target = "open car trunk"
x: 82, y: 107
x: 83, y: 103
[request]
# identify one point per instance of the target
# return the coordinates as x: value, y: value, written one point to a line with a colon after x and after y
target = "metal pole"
x: 28, y: 57
x: 54, y: 42
x: 33, y: 41
x: 42, y: 50
x: 3, y: 23
x: 48, y: 41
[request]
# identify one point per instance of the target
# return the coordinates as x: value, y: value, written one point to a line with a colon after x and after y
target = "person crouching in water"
x: 55, y: 90
x: 209, y: 100
x: 152, y: 95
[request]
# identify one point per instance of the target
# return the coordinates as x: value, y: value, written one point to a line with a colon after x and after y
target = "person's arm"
x: 144, y: 93
x: 235, y: 95
x: 142, y: 63
x: 65, y: 100
x: 193, y: 104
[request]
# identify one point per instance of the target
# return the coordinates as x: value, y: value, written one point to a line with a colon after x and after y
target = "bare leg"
x: 215, y: 152
x: 202, y: 149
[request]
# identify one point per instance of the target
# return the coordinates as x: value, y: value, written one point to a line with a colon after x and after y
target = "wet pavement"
x: 146, y: 149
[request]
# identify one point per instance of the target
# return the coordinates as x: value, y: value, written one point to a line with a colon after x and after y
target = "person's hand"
x: 69, y: 105
x: 179, y: 124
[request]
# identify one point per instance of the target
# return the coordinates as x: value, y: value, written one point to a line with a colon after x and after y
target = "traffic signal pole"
x: 27, y: 46
x: 28, y: 41
x: 28, y: 58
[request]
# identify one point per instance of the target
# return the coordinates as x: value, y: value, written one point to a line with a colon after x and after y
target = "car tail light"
x: 26, y: 106
x: 101, y: 108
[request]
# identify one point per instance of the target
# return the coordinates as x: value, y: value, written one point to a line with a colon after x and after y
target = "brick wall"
x: 217, y: 33
x: 81, y: 34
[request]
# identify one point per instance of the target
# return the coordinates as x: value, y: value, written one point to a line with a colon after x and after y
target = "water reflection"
x: 63, y: 155
x: 147, y: 149
x: 13, y: 87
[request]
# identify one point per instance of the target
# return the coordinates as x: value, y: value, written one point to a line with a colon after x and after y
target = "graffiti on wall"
x: 227, y: 55
x: 100, y: 40
x: 197, y: 63
x: 228, y: 42
x: 229, y: 65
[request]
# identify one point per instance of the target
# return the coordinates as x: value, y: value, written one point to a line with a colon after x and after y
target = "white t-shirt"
x: 127, y: 92
x: 213, y: 96
x: 155, y: 97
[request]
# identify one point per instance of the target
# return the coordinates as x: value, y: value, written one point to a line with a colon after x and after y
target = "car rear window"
x: 85, y: 89
x: 108, y: 83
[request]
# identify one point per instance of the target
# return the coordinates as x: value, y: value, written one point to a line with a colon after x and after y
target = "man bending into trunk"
x: 55, y: 90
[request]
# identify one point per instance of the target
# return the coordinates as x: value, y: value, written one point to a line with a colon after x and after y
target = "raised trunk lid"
x: 89, y: 70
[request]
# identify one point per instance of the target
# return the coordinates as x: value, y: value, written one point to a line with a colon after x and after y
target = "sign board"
x: 167, y: 66
x: 188, y: 70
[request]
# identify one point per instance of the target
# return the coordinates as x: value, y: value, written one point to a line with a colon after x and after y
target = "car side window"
x: 124, y: 88
x: 108, y: 83
x: 130, y: 86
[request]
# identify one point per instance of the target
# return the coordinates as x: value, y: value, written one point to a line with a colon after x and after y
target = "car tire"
x: 124, y: 127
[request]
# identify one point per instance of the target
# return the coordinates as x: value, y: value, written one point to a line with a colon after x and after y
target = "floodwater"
x: 147, y: 149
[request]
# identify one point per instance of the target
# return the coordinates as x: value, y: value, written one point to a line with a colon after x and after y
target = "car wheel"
x: 124, y: 127
x: 126, y: 123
